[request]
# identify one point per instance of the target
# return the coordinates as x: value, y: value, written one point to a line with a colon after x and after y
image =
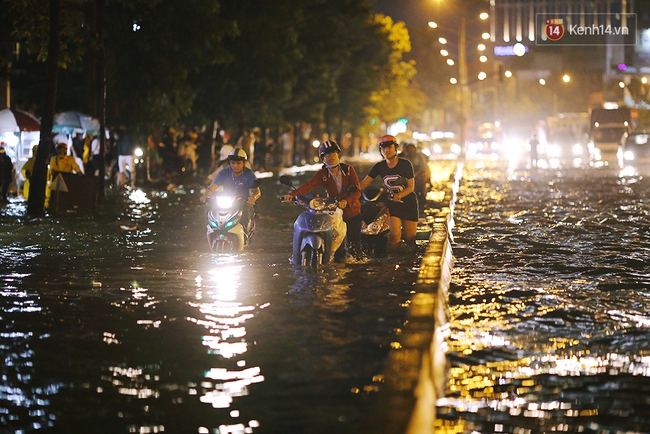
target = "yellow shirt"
x: 66, y: 164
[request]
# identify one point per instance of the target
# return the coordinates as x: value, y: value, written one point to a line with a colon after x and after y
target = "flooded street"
x: 125, y: 323
x: 550, y: 302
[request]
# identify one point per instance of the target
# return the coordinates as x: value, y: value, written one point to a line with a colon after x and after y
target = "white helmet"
x: 225, y: 151
x: 238, y: 154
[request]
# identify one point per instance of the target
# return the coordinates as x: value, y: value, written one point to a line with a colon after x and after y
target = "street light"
x: 462, y: 81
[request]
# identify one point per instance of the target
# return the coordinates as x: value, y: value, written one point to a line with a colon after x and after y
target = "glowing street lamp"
x: 461, y: 94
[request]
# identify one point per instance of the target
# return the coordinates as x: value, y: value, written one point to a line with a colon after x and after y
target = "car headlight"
x: 577, y: 149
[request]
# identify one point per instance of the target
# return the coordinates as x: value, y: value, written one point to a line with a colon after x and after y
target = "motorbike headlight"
x: 138, y: 152
x: 372, y: 229
x: 318, y: 203
x: 225, y: 202
x: 375, y: 227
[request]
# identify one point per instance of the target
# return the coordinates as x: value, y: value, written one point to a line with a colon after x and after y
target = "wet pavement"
x: 126, y: 323
x: 549, y: 302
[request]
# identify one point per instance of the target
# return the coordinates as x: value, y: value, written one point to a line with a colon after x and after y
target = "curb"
x: 415, y: 373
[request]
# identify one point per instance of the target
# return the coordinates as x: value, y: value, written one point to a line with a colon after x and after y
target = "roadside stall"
x: 19, y: 132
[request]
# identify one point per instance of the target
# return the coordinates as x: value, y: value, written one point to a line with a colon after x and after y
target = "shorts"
x: 405, y: 210
x: 123, y: 161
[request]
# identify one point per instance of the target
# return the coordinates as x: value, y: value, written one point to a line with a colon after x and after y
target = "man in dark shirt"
x: 6, y: 173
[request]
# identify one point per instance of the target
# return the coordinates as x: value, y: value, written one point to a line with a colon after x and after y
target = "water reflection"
x: 24, y: 400
x: 224, y: 317
x: 129, y: 325
x: 548, y: 301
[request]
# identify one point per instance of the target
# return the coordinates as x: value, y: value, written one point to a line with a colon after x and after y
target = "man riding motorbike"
x: 237, y: 179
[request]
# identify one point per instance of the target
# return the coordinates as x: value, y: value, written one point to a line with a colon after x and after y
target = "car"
x: 443, y: 144
x: 637, y: 148
x: 564, y: 148
x: 606, y: 144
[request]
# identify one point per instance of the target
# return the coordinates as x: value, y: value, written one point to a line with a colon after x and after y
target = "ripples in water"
x: 549, y: 303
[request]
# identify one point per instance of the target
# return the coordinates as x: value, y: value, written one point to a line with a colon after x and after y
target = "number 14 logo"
x: 554, y: 29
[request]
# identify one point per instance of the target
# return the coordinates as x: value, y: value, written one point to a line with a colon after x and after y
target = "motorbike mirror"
x: 286, y: 180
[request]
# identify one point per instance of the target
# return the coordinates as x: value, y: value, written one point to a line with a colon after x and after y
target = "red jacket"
x: 323, y: 178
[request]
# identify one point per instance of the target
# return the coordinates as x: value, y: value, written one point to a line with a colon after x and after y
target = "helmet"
x: 225, y: 151
x: 387, y: 140
x: 328, y: 147
x: 408, y: 145
x: 238, y: 154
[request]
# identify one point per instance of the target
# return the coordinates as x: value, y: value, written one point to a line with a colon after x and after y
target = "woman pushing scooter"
x: 402, y: 203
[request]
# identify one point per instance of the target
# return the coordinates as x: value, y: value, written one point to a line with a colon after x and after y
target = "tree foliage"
x: 399, y: 95
x: 242, y: 62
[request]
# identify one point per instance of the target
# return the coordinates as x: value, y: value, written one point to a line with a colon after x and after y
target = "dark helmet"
x: 328, y: 147
x: 387, y: 140
x: 238, y: 154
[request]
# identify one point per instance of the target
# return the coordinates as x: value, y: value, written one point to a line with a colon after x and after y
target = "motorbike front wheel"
x: 311, y: 258
x: 221, y: 244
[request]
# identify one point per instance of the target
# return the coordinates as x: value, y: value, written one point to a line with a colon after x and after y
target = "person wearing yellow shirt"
x: 27, y: 170
x: 61, y: 162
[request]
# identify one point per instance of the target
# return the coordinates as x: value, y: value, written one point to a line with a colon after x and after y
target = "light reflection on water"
x: 549, y: 303
x: 223, y: 318
x: 126, y: 322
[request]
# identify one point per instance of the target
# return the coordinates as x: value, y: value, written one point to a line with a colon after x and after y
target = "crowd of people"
x: 405, y: 176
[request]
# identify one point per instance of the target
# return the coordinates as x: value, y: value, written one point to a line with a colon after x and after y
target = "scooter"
x: 225, y: 233
x: 375, y: 216
x: 318, y: 231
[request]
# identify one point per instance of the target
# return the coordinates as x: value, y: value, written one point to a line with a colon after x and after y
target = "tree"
x: 154, y: 50
x: 398, y: 95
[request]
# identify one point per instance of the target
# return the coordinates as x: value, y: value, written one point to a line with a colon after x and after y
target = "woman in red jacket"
x: 336, y: 177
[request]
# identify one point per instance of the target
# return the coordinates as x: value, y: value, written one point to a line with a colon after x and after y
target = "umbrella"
x: 72, y: 121
x: 16, y: 121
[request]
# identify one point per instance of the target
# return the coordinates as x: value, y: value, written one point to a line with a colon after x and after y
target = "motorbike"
x: 374, y: 226
x: 319, y: 231
x: 225, y: 231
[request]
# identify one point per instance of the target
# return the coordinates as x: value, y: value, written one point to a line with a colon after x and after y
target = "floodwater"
x: 125, y: 323
x: 549, y: 302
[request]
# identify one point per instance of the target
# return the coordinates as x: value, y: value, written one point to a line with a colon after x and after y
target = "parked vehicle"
x: 375, y: 215
x: 226, y: 233
x: 319, y: 231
